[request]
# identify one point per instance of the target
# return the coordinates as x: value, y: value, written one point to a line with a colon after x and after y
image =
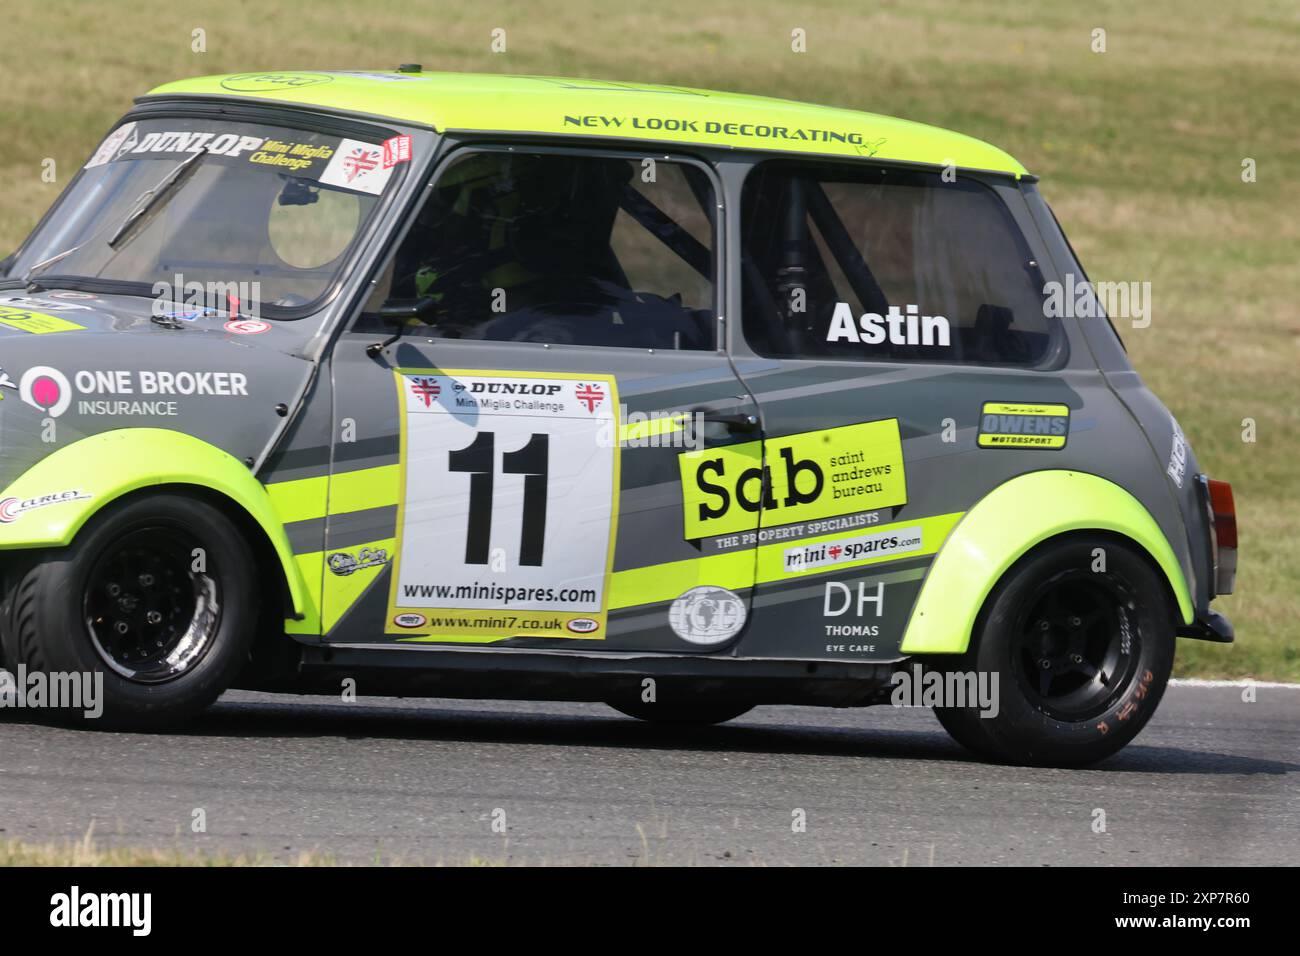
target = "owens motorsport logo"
x: 11, y: 509
x: 48, y: 390
x: 849, y: 550
x: 1023, y: 425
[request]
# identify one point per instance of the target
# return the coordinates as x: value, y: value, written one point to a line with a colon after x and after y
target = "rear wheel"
x: 1082, y: 656
x: 158, y: 595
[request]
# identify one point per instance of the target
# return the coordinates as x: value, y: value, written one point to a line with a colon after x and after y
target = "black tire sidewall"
x: 1022, y: 732
x: 64, y: 638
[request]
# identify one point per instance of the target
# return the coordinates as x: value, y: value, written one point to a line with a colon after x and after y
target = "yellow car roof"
x: 599, y: 108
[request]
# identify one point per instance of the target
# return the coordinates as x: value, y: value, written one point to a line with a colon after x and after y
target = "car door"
x: 514, y: 406
x: 889, y: 315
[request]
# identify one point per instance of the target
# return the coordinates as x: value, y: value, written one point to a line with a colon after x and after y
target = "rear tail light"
x: 1225, y: 513
x: 1222, y: 513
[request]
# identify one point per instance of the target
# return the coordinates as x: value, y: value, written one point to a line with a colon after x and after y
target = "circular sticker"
x: 269, y: 82
x: 707, y: 615
x: 46, y: 389
x: 247, y: 326
x: 409, y: 620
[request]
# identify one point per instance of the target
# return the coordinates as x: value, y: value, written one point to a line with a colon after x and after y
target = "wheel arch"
x: 1009, y: 522
x: 106, y: 468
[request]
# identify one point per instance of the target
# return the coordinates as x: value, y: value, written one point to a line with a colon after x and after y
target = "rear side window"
x: 566, y: 249
x: 880, y: 264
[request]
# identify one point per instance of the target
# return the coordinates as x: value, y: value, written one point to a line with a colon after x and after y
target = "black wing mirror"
x: 425, y: 309
x: 398, y: 312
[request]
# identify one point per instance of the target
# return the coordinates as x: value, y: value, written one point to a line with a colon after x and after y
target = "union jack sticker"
x: 590, y: 395
x: 358, y: 166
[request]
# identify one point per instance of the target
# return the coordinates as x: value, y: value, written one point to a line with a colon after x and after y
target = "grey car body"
x: 316, y: 403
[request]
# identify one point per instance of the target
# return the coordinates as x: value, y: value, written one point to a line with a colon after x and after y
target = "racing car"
x: 436, y: 384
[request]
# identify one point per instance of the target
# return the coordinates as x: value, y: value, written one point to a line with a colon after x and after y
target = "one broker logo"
x: 45, y: 389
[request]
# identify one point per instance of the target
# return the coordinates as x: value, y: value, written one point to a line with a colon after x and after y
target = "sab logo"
x: 763, y: 496
x: 583, y: 625
x: 410, y: 620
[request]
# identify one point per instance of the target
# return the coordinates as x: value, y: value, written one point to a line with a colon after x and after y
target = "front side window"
x: 214, y: 201
x: 880, y: 264
x: 564, y: 249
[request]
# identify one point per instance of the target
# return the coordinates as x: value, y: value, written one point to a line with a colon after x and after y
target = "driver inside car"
x: 518, y: 248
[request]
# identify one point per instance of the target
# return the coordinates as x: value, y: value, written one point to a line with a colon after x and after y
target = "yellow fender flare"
x: 104, y: 467
x: 1003, y: 526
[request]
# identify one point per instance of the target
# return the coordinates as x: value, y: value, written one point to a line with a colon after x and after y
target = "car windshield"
x: 185, y: 203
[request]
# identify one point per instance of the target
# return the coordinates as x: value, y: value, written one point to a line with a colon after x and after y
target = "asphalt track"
x: 1212, y: 780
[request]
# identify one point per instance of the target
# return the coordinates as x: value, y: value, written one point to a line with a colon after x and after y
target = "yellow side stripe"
x: 365, y: 488
x: 299, y: 500
x: 744, y: 568
x: 305, y: 498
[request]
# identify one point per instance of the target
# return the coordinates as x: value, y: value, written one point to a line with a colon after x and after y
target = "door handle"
x: 735, y: 421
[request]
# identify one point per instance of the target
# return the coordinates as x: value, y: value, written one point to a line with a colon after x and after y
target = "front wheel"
x: 1080, y: 636
x: 157, y: 598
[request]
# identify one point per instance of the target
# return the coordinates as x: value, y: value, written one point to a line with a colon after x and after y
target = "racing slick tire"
x: 159, y: 595
x: 683, y: 713
x: 1082, y: 656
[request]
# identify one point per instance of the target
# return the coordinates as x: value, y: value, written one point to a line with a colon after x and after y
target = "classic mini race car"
x: 536, y: 388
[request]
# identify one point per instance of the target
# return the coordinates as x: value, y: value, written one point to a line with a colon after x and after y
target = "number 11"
x: 532, y: 461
